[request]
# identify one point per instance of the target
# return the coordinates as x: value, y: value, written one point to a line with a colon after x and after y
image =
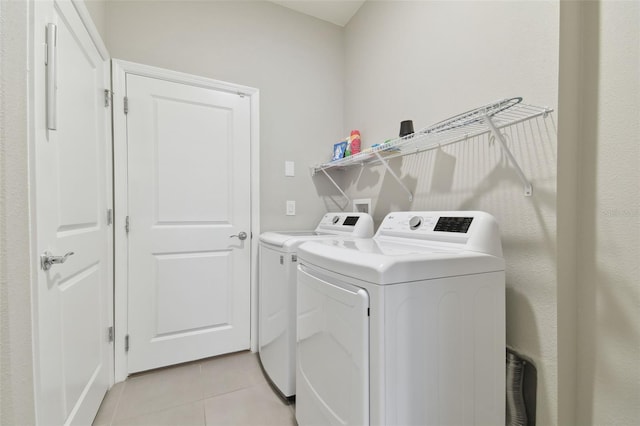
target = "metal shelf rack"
x: 488, y: 118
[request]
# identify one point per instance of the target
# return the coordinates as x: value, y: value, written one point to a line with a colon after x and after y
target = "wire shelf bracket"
x: 336, y: 185
x: 489, y: 118
x: 395, y: 176
x: 528, y: 188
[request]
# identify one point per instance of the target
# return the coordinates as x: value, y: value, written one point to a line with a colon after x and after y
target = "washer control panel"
x: 410, y: 222
x: 473, y: 230
x: 453, y: 224
x: 415, y: 221
x: 355, y: 224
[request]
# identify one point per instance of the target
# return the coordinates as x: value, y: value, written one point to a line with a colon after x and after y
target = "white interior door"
x: 189, y: 199
x: 72, y: 303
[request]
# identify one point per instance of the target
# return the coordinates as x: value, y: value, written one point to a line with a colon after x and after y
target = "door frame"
x: 119, y: 70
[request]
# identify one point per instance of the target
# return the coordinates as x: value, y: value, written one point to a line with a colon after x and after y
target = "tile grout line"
x: 201, y: 367
x: 202, y: 383
x: 160, y: 411
x: 115, y: 409
x: 205, y: 397
x: 232, y: 391
x: 204, y: 409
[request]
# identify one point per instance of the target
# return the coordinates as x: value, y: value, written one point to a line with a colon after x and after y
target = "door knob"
x: 47, y: 260
x: 241, y: 235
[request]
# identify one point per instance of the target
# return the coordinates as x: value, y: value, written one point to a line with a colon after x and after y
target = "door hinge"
x: 294, y: 257
x: 282, y: 260
x: 126, y: 343
x: 110, y: 334
x: 126, y: 224
x: 126, y: 105
x: 368, y: 312
x: 107, y: 97
x: 109, y: 217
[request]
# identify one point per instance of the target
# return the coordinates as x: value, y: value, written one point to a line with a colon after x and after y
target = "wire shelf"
x: 476, y: 122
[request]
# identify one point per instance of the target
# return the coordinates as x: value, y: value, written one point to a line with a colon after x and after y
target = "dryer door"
x: 332, y: 379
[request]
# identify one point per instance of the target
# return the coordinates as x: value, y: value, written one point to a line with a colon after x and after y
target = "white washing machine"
x: 406, y: 328
x: 277, y: 291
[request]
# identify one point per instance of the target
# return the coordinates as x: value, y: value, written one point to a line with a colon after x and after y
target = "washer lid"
x: 293, y: 238
x: 384, y: 262
x: 352, y: 224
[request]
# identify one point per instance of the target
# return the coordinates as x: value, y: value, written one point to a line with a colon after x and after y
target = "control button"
x: 336, y: 219
x: 415, y: 222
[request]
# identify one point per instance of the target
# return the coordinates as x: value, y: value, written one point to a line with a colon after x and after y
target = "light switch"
x: 289, y: 168
x: 291, y: 208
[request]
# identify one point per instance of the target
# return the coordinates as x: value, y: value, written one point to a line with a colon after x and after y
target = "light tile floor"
x: 225, y: 390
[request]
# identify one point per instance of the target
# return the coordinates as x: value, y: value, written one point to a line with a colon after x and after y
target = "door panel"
x: 72, y: 174
x: 206, y: 302
x: 179, y: 200
x: 189, y: 192
x: 80, y: 298
x: 79, y: 86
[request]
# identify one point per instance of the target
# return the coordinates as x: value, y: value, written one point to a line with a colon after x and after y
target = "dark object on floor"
x: 522, y: 382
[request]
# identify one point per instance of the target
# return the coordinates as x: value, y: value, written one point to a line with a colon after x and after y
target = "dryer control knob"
x: 415, y: 222
x: 335, y: 219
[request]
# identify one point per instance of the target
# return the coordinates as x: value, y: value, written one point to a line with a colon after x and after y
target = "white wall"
x: 296, y: 61
x: 569, y: 130
x: 98, y: 11
x: 426, y: 61
x: 608, y: 272
x: 16, y: 365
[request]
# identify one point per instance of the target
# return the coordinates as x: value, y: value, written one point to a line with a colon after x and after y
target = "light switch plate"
x: 291, y: 208
x: 289, y: 168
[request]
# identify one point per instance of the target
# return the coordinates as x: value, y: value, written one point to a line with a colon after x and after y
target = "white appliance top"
x: 356, y: 225
x: 414, y: 246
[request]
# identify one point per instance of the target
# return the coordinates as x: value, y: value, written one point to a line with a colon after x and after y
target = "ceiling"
x: 337, y: 12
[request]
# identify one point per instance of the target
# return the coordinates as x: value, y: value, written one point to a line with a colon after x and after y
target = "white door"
x: 189, y: 209
x: 73, y: 356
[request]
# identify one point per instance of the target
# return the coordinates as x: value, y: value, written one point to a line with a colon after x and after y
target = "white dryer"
x: 277, y: 291
x: 407, y: 328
